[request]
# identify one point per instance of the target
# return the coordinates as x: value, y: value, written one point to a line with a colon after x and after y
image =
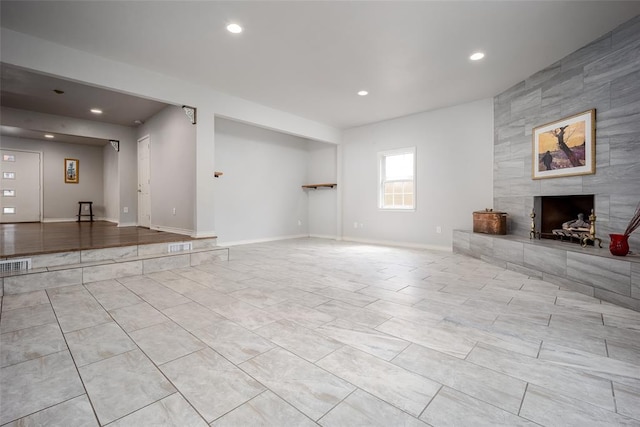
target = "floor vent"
x: 179, y: 247
x: 15, y: 265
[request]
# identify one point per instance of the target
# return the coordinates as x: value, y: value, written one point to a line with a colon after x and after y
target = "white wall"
x: 454, y: 175
x: 110, y: 184
x: 172, y: 169
x: 322, y: 218
x: 60, y: 200
x: 259, y: 197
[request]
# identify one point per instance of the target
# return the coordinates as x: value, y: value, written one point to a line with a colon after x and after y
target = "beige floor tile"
x: 267, y: 409
x: 195, y: 374
x: 308, y: 388
x: 123, y: 384
x: 30, y: 343
x: 98, y: 343
x: 37, y: 384
x: 172, y: 411
x: 452, y: 408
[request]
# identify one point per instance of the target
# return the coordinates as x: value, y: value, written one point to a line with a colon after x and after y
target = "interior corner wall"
x: 110, y: 184
x: 454, y: 148
x: 60, y: 200
x: 322, y: 202
x: 259, y: 197
x: 172, y: 169
x: 605, y: 76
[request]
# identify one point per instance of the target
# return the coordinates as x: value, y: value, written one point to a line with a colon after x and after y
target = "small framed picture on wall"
x: 71, y: 171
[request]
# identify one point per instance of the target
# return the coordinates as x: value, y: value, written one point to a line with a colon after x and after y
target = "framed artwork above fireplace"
x: 566, y: 147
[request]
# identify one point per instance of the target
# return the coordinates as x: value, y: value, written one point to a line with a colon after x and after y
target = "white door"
x: 20, y: 186
x: 144, y: 180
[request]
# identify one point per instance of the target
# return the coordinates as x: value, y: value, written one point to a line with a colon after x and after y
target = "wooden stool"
x: 90, y: 214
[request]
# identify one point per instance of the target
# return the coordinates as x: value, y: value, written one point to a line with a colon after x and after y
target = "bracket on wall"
x: 218, y: 174
x: 115, y: 144
x: 191, y: 113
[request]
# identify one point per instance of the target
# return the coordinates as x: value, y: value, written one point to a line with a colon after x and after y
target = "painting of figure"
x: 565, y: 147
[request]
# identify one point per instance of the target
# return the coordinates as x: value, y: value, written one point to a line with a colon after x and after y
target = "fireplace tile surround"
x: 592, y: 271
x: 603, y: 75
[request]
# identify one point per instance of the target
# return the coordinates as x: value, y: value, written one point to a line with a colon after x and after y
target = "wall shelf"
x: 316, y: 186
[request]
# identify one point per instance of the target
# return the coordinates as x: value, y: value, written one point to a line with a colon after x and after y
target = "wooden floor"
x: 38, y: 238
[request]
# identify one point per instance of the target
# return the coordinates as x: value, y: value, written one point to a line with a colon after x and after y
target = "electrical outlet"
x: 125, y: 209
x: 438, y: 229
x: 299, y: 223
x: 355, y: 224
x: 86, y: 208
x: 361, y: 225
x: 174, y: 211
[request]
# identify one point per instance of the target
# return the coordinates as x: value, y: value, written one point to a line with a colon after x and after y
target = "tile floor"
x: 314, y: 332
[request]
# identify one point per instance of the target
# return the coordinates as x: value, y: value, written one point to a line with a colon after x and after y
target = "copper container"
x: 490, y: 222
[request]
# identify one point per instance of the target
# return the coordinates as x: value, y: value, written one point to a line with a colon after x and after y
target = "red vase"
x: 619, y: 244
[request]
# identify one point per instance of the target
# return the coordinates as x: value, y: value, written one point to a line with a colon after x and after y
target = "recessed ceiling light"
x: 96, y: 111
x: 48, y: 135
x: 234, y: 28
x: 363, y: 93
x: 476, y: 56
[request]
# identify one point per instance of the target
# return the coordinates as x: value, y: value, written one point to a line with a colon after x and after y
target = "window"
x: 8, y: 158
x: 8, y: 211
x: 397, y: 183
x: 9, y: 175
x: 9, y: 193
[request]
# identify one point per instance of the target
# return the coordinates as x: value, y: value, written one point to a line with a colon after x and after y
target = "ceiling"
x: 26, y: 90
x: 310, y: 58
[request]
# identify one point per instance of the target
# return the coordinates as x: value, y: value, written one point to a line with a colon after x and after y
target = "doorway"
x: 20, y: 189
x: 144, y: 182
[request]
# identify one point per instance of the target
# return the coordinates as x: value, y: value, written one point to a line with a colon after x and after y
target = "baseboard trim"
x: 59, y: 219
x: 263, y: 240
x: 323, y: 236
x: 75, y: 219
x: 172, y: 230
x: 204, y: 235
x: 127, y: 224
x: 397, y: 244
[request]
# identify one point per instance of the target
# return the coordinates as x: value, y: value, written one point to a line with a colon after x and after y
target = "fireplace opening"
x: 563, y: 217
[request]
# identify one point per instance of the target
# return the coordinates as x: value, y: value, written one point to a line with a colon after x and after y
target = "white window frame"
x: 381, y: 178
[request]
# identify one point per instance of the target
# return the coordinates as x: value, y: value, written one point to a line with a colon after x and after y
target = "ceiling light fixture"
x: 363, y: 93
x: 48, y: 135
x: 234, y: 28
x: 477, y: 56
x: 96, y: 111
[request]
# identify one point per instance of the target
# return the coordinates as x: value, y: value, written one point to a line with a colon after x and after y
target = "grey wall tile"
x: 626, y: 34
x: 624, y: 149
x: 111, y: 271
x: 617, y: 299
x: 618, y: 63
x: 549, y: 260
x: 590, y: 53
x: 39, y: 281
x: 625, y: 89
x: 508, y: 250
x: 601, y: 272
x: 635, y: 280
x: 571, y: 285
